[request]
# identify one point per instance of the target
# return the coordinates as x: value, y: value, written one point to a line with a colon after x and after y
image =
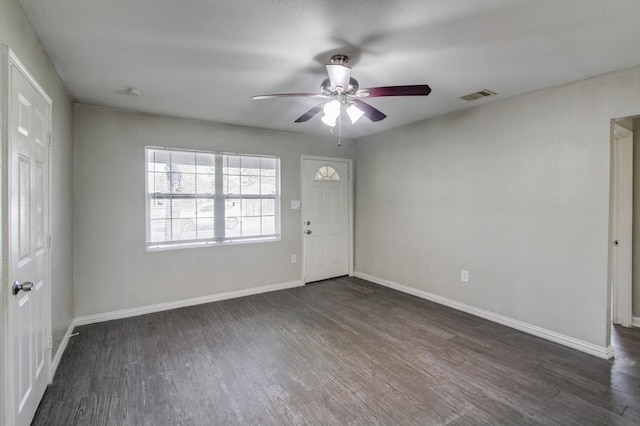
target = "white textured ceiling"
x: 204, y: 59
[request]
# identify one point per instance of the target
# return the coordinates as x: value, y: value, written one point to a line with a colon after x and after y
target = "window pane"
x: 232, y: 213
x: 183, y: 229
x: 250, y: 185
x: 160, y: 230
x: 250, y: 166
x: 268, y: 225
x: 205, y: 184
x: 231, y: 184
x: 231, y: 165
x: 268, y: 166
x: 159, y: 209
x: 205, y: 227
x: 185, y: 161
x: 327, y: 173
x: 180, y: 171
x: 233, y: 207
x: 157, y: 160
x: 232, y: 223
x: 268, y: 207
x: 250, y: 226
x: 183, y: 208
x: 205, y: 163
x: 185, y: 184
x: 158, y: 183
x: 181, y: 196
x: 232, y: 227
x: 251, y: 207
x: 268, y: 185
x: 205, y: 207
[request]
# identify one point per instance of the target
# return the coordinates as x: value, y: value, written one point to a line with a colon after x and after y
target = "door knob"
x: 25, y: 286
x: 308, y: 231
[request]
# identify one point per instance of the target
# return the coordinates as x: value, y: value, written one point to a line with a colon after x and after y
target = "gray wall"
x: 516, y: 192
x: 16, y: 33
x: 113, y: 271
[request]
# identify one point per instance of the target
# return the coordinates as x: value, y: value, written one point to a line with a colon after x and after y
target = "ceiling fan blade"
x: 414, y: 90
x: 370, y: 112
x: 339, y: 76
x: 307, y: 115
x: 289, y: 95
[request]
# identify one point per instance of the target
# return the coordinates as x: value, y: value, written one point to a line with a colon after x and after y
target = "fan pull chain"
x: 339, y: 120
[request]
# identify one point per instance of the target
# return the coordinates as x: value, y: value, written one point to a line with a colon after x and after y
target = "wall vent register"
x: 478, y: 95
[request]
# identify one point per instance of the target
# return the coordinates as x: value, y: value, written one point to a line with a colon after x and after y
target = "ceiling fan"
x: 341, y: 91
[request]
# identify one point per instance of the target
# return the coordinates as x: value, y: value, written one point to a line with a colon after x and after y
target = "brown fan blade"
x: 376, y: 92
x: 289, y: 95
x: 370, y: 112
x: 307, y: 115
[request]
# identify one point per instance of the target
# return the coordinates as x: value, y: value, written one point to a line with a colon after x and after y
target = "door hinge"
x: 49, y: 341
x: 50, y: 139
x: 49, y: 242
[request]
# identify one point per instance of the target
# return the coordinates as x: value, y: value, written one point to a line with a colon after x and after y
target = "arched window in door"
x: 327, y: 173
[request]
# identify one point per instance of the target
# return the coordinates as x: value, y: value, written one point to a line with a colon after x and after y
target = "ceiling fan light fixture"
x: 331, y: 113
x: 329, y: 120
x: 332, y: 108
x: 354, y: 113
x: 342, y: 91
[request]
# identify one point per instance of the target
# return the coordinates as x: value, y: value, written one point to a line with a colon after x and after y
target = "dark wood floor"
x: 342, y: 351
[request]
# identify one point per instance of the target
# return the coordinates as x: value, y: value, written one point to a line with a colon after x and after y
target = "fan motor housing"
x: 325, y: 87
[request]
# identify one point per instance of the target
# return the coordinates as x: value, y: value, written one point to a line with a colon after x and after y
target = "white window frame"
x: 219, y: 199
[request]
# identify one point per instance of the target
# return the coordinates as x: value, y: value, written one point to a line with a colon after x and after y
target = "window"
x: 327, y: 173
x: 197, y: 198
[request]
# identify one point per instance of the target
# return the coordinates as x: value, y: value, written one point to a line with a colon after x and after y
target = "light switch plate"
x: 295, y: 204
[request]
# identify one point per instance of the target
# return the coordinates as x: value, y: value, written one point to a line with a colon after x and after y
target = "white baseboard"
x: 55, y: 362
x: 149, y: 309
x: 635, y: 322
x: 571, y: 342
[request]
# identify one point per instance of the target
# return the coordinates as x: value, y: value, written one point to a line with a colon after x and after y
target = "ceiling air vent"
x: 477, y: 95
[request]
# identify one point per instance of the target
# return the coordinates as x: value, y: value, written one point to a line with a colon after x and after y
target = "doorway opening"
x: 625, y: 222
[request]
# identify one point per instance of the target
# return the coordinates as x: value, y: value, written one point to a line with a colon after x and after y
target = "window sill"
x: 201, y: 244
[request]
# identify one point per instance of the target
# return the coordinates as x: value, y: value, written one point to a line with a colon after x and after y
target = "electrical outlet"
x: 464, y: 276
x: 294, y: 259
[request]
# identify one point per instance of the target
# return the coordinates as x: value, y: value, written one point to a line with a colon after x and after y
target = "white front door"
x: 326, y: 218
x: 29, y: 320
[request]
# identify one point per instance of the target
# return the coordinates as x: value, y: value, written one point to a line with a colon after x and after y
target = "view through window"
x: 199, y: 198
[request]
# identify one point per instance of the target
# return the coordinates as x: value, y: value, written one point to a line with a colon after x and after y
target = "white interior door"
x: 29, y: 320
x: 326, y: 217
x: 622, y: 225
